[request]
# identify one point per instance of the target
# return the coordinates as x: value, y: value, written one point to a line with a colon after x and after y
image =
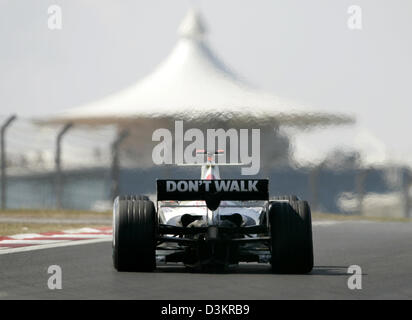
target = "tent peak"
x: 192, y: 25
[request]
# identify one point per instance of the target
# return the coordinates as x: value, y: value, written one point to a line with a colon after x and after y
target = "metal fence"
x: 43, y: 166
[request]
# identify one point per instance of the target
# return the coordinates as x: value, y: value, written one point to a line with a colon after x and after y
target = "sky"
x: 296, y: 49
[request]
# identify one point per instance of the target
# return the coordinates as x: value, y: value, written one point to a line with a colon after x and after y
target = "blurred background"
x: 77, y: 104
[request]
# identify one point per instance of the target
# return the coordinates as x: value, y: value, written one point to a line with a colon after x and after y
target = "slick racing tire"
x: 134, y: 234
x: 134, y: 197
x: 290, y: 226
x: 289, y: 198
x: 263, y: 217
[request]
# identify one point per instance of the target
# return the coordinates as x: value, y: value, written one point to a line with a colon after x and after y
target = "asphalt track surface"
x: 382, y: 250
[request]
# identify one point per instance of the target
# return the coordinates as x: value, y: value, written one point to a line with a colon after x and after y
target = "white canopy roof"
x: 192, y: 83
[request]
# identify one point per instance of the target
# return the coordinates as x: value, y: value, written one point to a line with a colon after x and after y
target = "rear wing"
x: 213, y: 190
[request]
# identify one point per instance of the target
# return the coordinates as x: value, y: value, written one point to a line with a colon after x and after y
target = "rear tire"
x: 290, y: 227
x: 263, y: 217
x: 288, y: 197
x: 134, y: 234
x: 134, y: 197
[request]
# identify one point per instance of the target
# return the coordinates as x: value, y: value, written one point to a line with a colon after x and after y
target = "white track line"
x: 54, y: 245
x: 325, y: 223
x: 29, y: 241
x: 71, y: 235
x: 84, y: 230
x: 25, y: 235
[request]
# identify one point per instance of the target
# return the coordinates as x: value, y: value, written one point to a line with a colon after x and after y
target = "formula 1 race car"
x: 212, y: 224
